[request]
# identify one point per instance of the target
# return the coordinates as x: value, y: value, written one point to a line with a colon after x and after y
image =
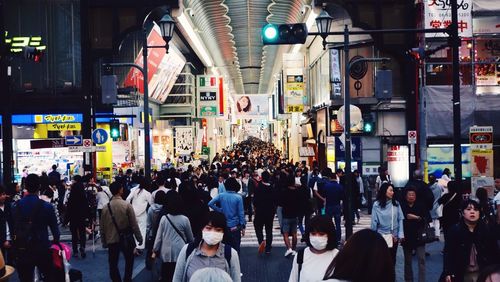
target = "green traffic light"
x: 368, y: 127
x: 270, y: 32
x: 115, y: 133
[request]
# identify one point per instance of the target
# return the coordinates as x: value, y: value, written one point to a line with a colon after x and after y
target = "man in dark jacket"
x: 77, y: 215
x: 5, y: 226
x: 290, y: 199
x: 43, y: 217
x: 265, y: 206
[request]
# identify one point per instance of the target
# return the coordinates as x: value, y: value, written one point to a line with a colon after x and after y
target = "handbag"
x: 426, y: 234
x: 388, y: 237
x: 127, y: 240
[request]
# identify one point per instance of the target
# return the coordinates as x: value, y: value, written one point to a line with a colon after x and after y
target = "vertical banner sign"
x: 221, y: 97
x: 293, y: 75
x: 481, y: 142
x: 438, y: 15
x: 336, y: 78
x: 397, y: 164
x: 209, y: 94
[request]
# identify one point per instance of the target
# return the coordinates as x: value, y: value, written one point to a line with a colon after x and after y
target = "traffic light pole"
x: 144, y: 71
x: 453, y: 33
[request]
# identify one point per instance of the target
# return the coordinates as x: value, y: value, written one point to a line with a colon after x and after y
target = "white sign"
x: 412, y: 137
x: 99, y: 148
x: 438, y: 15
x: 335, y: 73
x: 81, y: 149
x: 485, y: 25
x: 184, y: 143
x: 397, y: 164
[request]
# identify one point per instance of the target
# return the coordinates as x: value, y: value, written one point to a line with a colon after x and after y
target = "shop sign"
x: 207, y: 81
x: 47, y: 143
x: 57, y: 118
x: 486, y: 25
x: 208, y: 111
x: 64, y: 126
x: 17, y: 43
x: 481, y: 142
x: 335, y: 73
x: 208, y: 96
x: 398, y: 164
x: 295, y: 108
x: 438, y: 15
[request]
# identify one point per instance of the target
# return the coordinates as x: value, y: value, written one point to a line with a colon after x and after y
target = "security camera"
x: 304, y: 8
x: 190, y: 12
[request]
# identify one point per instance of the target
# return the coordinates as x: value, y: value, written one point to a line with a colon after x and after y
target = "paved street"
x: 255, y: 267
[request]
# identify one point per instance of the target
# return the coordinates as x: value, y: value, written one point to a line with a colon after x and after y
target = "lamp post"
x: 160, y: 16
x: 324, y: 22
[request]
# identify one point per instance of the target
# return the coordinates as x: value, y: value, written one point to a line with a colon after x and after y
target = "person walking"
x: 290, y: 200
x: 413, y: 223
x: 5, y: 226
x: 209, y: 251
x: 437, y: 209
x: 140, y: 199
x: 311, y: 263
x: 77, y: 215
x: 471, y: 248
x: 387, y: 218
x: 230, y: 203
x: 264, y: 203
x: 32, y: 218
x: 118, y: 223
x: 333, y: 194
x: 173, y: 233
x: 451, y: 202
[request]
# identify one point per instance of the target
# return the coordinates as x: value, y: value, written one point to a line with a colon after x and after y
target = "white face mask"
x: 212, y: 237
x: 319, y: 242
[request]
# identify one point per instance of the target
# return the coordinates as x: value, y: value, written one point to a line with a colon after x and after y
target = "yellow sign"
x: 294, y: 108
x: 297, y: 86
x: 54, y: 118
x: 64, y: 126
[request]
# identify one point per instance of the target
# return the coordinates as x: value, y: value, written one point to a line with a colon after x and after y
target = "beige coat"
x: 125, y: 218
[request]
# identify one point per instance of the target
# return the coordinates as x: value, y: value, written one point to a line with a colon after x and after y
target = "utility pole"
x: 457, y: 125
x: 347, y: 133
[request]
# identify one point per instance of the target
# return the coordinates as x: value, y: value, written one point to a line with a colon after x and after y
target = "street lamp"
x: 166, y: 24
x: 324, y: 23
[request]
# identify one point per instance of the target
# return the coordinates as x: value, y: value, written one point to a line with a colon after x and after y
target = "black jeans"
x: 259, y: 222
x: 167, y: 271
x: 247, y: 205
x: 114, y: 254
x: 78, y: 236
x: 27, y: 261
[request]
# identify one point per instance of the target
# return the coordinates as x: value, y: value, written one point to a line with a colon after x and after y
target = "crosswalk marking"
x: 250, y: 238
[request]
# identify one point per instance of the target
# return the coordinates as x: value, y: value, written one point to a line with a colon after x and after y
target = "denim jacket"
x: 381, y: 219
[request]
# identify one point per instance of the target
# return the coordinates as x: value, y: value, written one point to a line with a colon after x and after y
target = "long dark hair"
x: 382, y: 198
x: 365, y: 248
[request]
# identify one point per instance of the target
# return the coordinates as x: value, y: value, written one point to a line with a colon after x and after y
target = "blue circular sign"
x: 100, y: 136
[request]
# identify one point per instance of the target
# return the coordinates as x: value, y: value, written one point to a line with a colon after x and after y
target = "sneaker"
x: 294, y: 253
x: 262, y: 247
x: 288, y: 252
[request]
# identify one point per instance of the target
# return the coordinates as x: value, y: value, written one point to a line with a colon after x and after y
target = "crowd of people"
x: 188, y: 222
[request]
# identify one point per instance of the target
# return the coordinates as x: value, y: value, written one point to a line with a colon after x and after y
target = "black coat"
x: 78, y: 209
x: 5, y: 219
x: 451, y: 209
x: 425, y: 197
x: 458, y: 246
x: 413, y: 226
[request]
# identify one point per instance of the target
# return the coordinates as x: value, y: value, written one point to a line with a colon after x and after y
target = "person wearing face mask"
x: 208, y: 251
x: 311, y: 263
x: 469, y: 247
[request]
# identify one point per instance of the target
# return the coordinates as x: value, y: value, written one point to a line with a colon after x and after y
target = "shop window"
x: 487, y: 62
x: 438, y: 67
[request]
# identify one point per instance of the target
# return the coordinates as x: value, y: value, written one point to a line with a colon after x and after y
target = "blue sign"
x: 100, y: 136
x: 75, y: 140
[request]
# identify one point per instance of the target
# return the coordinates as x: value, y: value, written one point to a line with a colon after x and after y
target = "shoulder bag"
x: 127, y: 240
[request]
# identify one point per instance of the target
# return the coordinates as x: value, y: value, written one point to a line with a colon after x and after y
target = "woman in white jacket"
x: 140, y: 199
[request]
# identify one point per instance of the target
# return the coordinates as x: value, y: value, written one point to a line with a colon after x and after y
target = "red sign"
x: 134, y: 77
x: 481, y: 137
x: 221, y: 96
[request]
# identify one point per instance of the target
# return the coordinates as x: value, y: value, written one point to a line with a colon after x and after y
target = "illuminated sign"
x: 17, y: 43
x: 64, y: 126
x: 60, y: 118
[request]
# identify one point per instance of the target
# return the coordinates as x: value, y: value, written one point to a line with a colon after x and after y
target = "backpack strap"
x: 191, y: 246
x: 300, y: 260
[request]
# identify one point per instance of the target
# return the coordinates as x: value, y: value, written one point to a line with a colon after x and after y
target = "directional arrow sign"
x: 75, y: 140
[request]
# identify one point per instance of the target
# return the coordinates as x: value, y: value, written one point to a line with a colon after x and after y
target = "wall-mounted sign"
x: 397, y: 164
x: 17, y: 43
x: 208, y: 96
x: 438, y: 15
x: 57, y: 118
x: 207, y: 81
x: 481, y: 142
x: 48, y: 143
x: 64, y: 126
x: 208, y: 111
x: 335, y: 75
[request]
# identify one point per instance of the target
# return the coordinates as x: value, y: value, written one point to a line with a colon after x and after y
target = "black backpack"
x: 227, y: 251
x: 24, y: 236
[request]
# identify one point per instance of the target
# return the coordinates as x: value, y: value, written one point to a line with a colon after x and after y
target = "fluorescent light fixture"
x: 197, y: 45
